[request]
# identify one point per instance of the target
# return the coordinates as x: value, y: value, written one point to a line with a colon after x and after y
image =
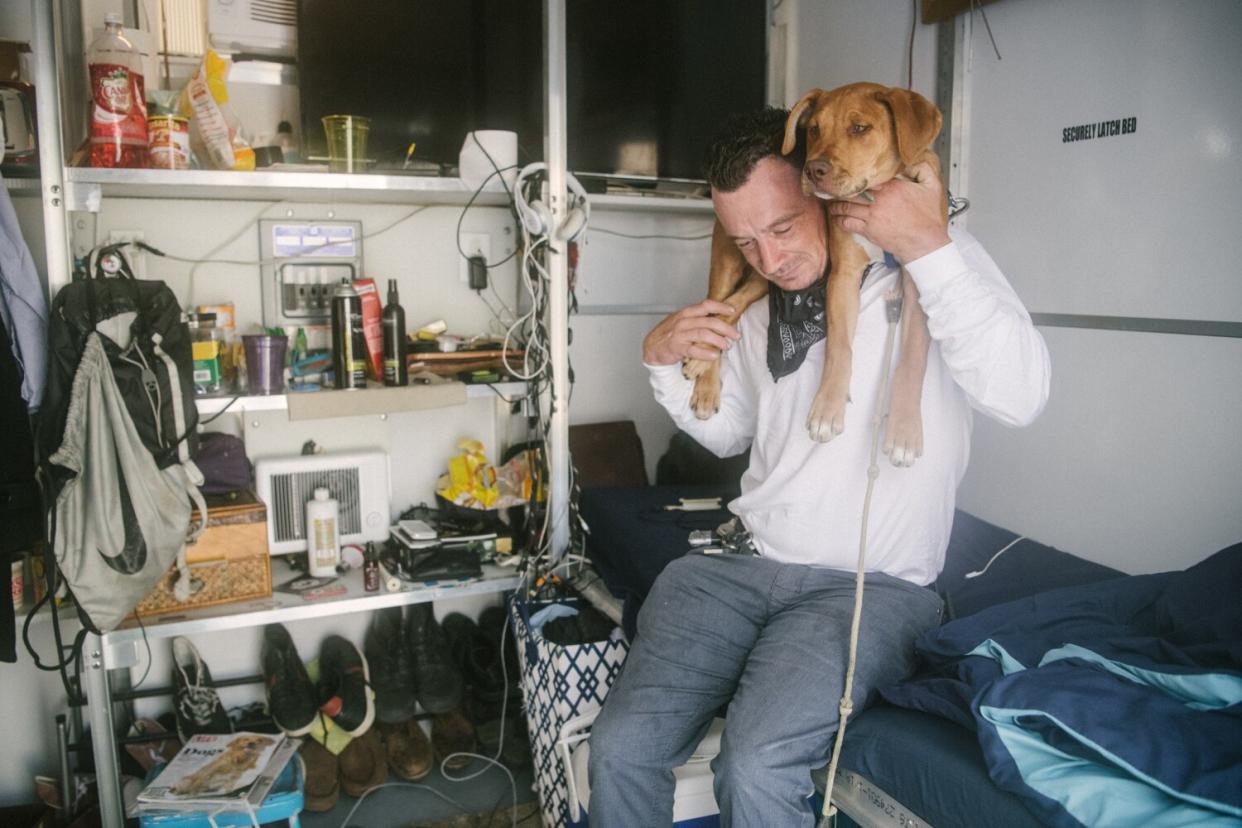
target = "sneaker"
x: 364, y: 764
x: 392, y: 670
x: 407, y: 747
x: 477, y: 656
x: 437, y: 677
x: 345, y: 693
x: 195, y: 700
x: 322, y: 786
x: 452, y: 735
x: 290, y: 694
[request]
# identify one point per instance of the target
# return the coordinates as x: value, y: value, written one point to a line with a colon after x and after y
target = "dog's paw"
x: 903, y: 432
x: 692, y: 369
x: 827, y: 418
x: 705, y: 399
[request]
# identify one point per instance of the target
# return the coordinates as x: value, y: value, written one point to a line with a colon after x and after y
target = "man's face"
x: 780, y: 231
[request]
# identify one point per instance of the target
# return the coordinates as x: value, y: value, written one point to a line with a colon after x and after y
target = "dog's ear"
x: 916, y: 122
x: 797, y: 118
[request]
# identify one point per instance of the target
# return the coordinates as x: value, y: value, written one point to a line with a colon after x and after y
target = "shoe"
x: 363, y: 764
x: 157, y: 751
x: 491, y: 621
x: 438, y: 680
x: 195, y: 700
x: 452, y: 733
x: 478, y: 658
x: 407, y: 747
x: 344, y: 691
x: 392, y: 670
x: 322, y: 786
x: 290, y: 694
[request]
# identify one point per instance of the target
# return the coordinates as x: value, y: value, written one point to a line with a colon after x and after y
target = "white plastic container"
x: 323, y: 536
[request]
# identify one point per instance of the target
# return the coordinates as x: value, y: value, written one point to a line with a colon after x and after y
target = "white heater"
x: 357, y: 480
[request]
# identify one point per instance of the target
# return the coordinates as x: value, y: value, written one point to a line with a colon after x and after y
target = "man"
x: 767, y: 632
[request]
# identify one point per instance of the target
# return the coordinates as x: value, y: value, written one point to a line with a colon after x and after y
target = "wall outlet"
x: 136, y: 256
x: 472, y: 244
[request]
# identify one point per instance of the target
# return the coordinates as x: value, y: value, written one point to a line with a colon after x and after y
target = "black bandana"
x: 796, y: 322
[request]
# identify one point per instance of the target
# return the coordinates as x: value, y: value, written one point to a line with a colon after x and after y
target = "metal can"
x: 349, y: 345
x: 168, y: 142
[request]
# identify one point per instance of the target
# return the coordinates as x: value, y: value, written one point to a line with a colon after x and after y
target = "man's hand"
x: 685, y: 333
x: 905, y: 218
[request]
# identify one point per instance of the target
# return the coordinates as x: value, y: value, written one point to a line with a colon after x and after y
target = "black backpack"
x: 153, y: 377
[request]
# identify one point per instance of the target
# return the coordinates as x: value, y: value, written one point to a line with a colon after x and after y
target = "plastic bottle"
x: 396, y: 371
x: 118, y: 134
x: 323, y: 540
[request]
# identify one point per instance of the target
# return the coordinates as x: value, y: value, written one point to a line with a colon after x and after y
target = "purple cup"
x: 265, y: 363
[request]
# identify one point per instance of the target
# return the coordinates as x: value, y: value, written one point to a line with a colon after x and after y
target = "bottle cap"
x: 113, y: 17
x: 321, y: 493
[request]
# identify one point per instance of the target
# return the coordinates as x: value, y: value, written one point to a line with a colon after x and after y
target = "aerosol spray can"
x: 349, y: 345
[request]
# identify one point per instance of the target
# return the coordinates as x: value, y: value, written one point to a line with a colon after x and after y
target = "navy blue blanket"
x: 1111, y: 703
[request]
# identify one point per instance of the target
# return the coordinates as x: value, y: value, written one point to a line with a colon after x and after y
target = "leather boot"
x: 391, y: 667
x: 363, y: 764
x: 322, y: 786
x: 407, y: 748
x: 438, y: 680
x: 451, y: 733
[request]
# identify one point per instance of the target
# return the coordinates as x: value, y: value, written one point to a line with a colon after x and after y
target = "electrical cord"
x: 619, y: 234
x: 892, y: 308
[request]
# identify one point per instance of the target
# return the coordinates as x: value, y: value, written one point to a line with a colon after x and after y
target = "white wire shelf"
x: 207, y: 406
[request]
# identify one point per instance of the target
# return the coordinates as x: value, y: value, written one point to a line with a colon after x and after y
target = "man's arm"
x: 985, y: 335
x: 679, y: 336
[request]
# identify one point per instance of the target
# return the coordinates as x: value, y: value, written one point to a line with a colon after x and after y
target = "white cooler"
x: 694, y: 802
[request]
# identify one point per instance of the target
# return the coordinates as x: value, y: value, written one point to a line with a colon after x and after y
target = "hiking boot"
x: 437, y: 678
x: 363, y: 764
x: 491, y: 621
x: 391, y: 666
x: 478, y: 658
x: 407, y: 747
x: 321, y: 788
x: 344, y: 691
x: 290, y: 694
x: 452, y: 733
x: 194, y: 698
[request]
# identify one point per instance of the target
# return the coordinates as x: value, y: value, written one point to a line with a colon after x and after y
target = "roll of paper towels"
x: 483, y: 152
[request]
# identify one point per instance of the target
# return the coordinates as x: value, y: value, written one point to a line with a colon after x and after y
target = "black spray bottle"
x: 396, y: 371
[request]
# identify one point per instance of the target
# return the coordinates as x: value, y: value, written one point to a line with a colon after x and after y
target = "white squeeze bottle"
x: 323, y: 540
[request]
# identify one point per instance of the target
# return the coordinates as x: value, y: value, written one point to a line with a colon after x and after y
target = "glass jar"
x: 207, y: 349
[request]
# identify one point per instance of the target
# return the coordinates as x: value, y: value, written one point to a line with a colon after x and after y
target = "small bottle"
x: 288, y: 147
x: 118, y: 128
x: 396, y: 371
x: 323, y: 540
x: 370, y: 569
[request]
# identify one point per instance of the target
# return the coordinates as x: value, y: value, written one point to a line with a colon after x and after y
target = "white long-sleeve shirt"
x: 802, y: 500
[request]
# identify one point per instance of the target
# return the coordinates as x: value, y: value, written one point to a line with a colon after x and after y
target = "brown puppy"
x: 858, y: 136
x: 223, y: 773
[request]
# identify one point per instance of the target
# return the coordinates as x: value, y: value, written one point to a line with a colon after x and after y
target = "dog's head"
x: 251, y: 744
x: 859, y: 135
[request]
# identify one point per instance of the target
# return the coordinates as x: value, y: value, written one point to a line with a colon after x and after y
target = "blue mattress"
x: 929, y: 764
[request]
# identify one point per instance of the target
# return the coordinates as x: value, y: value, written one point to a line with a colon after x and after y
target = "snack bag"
x: 215, y: 133
x: 471, y: 480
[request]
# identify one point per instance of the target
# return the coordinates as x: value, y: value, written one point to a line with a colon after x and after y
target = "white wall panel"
x: 1137, y: 224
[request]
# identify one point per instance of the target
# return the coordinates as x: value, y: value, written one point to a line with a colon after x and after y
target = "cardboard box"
x: 229, y: 562
x: 372, y: 326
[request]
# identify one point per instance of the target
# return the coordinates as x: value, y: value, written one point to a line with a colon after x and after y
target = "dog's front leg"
x: 849, y: 260
x: 705, y: 399
x: 903, y: 435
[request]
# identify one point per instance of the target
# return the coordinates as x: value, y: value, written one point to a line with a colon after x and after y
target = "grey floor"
x: 486, y: 800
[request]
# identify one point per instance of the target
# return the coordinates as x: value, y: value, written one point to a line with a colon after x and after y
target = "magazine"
x: 219, y: 771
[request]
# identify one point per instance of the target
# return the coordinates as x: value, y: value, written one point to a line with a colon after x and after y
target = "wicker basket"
x: 230, y: 561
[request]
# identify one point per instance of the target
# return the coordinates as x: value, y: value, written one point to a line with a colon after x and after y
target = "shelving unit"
x: 208, y: 406
x: 63, y: 190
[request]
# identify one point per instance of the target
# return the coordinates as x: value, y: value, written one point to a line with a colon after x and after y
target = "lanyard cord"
x: 892, y: 310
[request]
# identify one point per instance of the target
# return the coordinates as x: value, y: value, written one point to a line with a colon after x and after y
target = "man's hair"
x: 745, y: 140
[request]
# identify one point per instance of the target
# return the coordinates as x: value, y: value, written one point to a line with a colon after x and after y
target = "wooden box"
x: 229, y: 562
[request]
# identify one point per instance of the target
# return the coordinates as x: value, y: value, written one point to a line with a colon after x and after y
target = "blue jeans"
x: 770, y: 639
